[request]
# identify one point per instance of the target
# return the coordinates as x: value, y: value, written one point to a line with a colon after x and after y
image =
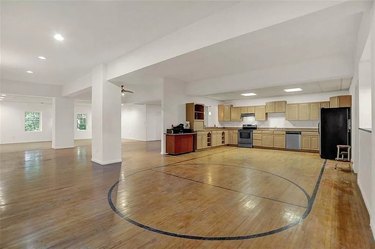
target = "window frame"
x: 40, y: 121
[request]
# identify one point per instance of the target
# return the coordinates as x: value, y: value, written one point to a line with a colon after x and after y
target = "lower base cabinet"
x: 310, y: 141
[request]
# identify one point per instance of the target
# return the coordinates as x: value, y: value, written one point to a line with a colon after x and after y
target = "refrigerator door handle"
x: 319, y: 128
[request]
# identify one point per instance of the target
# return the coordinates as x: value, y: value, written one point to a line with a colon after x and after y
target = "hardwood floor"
x: 220, y: 198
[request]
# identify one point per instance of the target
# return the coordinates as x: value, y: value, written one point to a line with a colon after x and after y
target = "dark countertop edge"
x: 365, y: 130
x: 179, y: 134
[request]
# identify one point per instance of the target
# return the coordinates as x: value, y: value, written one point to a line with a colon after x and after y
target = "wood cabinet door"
x: 306, y: 143
x: 226, y: 137
x: 334, y: 102
x: 270, y: 107
x: 324, y: 104
x: 251, y: 109
x: 220, y: 112
x: 244, y: 109
x: 314, y: 143
x: 345, y: 101
x: 226, y: 116
x: 279, y: 141
x: 260, y: 113
x: 315, y: 111
x: 280, y: 106
x: 291, y: 112
x: 199, y: 141
x: 235, y: 137
x: 304, y: 111
x: 235, y: 114
x: 267, y: 140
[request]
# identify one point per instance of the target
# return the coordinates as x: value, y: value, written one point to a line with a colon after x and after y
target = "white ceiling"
x: 308, y: 88
x: 95, y: 32
x: 291, y: 42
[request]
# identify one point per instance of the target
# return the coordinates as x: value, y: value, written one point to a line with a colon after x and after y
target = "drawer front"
x: 267, y: 132
x: 279, y: 132
x: 257, y: 136
x: 309, y: 133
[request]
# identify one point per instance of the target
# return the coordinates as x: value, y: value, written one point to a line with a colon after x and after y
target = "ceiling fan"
x: 123, y: 90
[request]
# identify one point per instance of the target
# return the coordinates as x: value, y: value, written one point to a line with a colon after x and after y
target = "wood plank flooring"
x: 220, y: 198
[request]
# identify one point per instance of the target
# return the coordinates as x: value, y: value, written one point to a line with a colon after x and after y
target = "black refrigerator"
x: 334, y: 129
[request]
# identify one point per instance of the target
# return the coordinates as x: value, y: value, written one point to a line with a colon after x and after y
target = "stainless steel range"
x: 245, y: 135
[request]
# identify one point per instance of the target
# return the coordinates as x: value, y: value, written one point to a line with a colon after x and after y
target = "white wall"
x: 133, y: 122
x: 364, y: 75
x: 141, y: 122
x: 365, y: 166
x: 12, y: 122
x: 12, y: 116
x: 153, y: 122
x: 278, y: 119
x: 80, y: 108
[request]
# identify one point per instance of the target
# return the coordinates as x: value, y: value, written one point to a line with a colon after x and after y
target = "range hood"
x: 247, y: 115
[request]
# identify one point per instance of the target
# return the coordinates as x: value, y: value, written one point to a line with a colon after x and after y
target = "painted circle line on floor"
x: 241, y: 237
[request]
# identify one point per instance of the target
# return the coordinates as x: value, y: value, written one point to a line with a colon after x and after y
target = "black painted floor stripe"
x: 229, y: 189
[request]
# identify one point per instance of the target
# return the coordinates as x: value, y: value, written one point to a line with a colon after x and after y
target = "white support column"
x: 173, y: 110
x: 106, y: 119
x: 372, y: 63
x: 62, y: 123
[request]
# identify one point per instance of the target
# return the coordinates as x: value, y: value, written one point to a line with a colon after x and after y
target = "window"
x: 32, y: 121
x: 81, y: 122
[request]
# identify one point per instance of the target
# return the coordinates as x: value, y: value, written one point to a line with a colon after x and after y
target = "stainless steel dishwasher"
x: 293, y: 140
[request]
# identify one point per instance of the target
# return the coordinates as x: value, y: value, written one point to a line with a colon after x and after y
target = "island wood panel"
x: 179, y: 144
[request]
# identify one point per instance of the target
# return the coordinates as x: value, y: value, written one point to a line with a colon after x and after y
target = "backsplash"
x: 274, y: 120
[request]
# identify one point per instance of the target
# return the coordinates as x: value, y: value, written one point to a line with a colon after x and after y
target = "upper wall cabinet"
x: 292, y: 112
x: 235, y: 114
x: 276, y: 106
x: 260, y: 113
x: 224, y: 113
x: 340, y: 101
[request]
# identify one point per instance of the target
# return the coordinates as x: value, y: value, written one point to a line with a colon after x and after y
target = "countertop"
x: 180, y: 134
x: 264, y: 128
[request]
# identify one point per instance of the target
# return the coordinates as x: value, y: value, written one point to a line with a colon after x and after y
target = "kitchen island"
x: 179, y: 143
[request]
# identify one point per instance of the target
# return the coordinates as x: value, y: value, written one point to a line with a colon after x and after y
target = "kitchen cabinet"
x: 235, y: 114
x: 270, y: 107
x: 279, y: 139
x: 276, y: 106
x: 280, y: 106
x: 195, y: 116
x: 324, y: 104
x: 267, y: 139
x: 233, y: 137
x: 304, y: 111
x: 201, y: 140
x: 340, y: 101
x: 292, y: 112
x: 244, y: 109
x: 310, y: 141
x: 216, y: 138
x: 224, y: 113
x: 257, y: 138
x: 315, y: 111
x: 260, y: 113
x: 226, y: 137
x: 251, y: 109
x: 179, y: 143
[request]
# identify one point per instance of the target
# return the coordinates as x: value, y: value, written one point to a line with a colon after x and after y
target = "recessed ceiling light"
x: 42, y: 57
x: 122, y: 103
x: 3, y: 95
x: 29, y: 71
x: 248, y: 94
x: 58, y: 37
x: 290, y: 90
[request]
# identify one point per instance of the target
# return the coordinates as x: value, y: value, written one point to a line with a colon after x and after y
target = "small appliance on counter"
x: 245, y: 135
x: 178, y: 129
